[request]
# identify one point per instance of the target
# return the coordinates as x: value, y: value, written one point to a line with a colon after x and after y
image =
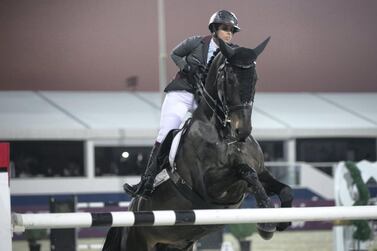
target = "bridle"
x: 221, y: 108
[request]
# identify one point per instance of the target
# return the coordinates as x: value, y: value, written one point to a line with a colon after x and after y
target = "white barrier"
x: 192, y: 217
x: 82, y: 205
x: 5, y: 223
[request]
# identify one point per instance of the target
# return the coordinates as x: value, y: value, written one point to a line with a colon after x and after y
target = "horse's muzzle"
x: 241, y: 135
x: 241, y: 123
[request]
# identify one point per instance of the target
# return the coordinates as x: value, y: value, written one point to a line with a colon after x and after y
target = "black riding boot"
x: 145, y: 186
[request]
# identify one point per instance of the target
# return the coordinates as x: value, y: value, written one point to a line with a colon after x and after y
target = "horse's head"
x: 236, y: 82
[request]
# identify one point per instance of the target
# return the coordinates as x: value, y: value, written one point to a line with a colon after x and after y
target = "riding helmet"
x: 223, y: 17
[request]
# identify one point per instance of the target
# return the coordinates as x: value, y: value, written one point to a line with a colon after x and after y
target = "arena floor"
x: 292, y: 241
x: 285, y: 241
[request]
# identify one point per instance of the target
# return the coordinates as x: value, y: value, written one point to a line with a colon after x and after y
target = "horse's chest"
x: 214, y: 152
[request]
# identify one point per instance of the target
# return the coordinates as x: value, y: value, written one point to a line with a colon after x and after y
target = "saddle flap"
x: 168, y: 151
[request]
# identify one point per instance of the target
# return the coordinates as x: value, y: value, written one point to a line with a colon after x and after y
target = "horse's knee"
x: 286, y: 196
x: 248, y: 174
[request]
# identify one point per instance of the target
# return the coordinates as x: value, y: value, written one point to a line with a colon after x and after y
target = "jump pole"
x: 5, y: 215
x: 192, y: 217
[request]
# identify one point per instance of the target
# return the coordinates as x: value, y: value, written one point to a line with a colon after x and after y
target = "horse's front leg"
x: 283, y: 191
x: 247, y: 173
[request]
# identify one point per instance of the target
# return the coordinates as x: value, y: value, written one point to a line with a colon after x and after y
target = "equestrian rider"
x: 191, y: 56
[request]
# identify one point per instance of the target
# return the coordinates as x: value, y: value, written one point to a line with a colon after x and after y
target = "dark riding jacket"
x: 192, y: 51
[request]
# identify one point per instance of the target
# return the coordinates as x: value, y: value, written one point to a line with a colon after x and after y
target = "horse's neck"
x: 205, y: 116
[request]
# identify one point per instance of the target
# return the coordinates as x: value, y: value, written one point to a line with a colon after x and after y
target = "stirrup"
x: 143, y: 188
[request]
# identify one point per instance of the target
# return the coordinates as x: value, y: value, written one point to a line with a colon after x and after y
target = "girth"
x: 190, y: 194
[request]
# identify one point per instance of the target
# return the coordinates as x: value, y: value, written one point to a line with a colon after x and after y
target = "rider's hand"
x: 191, y: 69
x: 188, y: 69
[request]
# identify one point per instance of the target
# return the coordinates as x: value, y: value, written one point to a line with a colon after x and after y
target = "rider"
x: 191, y: 56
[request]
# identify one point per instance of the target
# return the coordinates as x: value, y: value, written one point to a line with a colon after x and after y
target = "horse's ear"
x: 225, y: 49
x: 259, y: 49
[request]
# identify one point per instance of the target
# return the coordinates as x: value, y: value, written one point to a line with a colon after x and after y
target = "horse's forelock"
x: 243, y: 56
x: 246, y: 77
x: 215, y: 53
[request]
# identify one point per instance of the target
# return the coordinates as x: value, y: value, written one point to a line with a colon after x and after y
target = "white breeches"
x: 174, y: 110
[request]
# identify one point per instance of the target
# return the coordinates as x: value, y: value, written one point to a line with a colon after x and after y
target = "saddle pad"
x: 174, y: 148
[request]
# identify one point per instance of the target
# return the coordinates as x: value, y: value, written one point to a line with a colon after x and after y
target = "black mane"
x: 211, y: 70
x: 208, y: 66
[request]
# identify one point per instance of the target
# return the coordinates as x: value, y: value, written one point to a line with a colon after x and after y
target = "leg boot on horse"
x: 145, y: 186
x: 265, y: 230
x: 283, y: 191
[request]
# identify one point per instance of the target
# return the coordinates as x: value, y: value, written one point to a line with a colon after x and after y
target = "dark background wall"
x: 322, y: 45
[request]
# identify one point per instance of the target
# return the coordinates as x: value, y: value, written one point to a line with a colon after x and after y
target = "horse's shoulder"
x: 254, y: 143
x: 204, y: 131
x: 255, y: 149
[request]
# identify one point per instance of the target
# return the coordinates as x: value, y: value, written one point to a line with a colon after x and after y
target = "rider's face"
x: 225, y: 32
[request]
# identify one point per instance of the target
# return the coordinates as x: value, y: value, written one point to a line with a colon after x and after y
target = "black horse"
x: 217, y: 164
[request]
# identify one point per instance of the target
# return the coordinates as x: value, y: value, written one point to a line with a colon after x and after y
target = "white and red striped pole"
x: 5, y: 215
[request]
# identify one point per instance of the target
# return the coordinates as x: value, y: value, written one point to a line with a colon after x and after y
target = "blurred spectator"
x: 47, y: 158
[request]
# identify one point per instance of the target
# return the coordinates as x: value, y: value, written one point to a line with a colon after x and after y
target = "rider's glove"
x: 188, y: 69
